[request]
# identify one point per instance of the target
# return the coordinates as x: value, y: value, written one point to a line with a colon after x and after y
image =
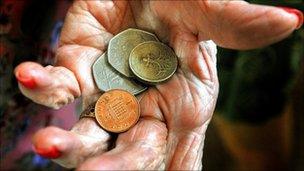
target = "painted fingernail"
x: 26, y: 80
x: 51, y: 153
x: 296, y: 12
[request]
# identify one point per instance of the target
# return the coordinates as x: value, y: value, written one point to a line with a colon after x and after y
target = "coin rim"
x: 141, y: 78
x: 138, y: 116
x: 122, y: 32
x: 96, y: 82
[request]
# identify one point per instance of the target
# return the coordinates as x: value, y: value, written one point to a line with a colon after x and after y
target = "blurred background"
x: 259, y: 120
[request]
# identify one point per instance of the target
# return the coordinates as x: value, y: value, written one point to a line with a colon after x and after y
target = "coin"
x: 117, y: 110
x: 107, y: 78
x: 122, y: 44
x: 153, y: 62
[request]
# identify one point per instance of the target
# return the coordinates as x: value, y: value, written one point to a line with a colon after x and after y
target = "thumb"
x: 240, y: 25
x: 49, y: 86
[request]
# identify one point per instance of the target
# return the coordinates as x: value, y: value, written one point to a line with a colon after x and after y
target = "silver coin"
x: 107, y: 78
x: 121, y: 45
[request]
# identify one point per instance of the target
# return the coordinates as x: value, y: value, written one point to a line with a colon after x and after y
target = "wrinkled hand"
x: 174, y: 115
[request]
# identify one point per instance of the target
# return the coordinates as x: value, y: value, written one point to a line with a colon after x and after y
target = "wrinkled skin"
x: 174, y: 115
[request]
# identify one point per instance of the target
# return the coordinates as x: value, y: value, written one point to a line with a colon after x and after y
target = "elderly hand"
x: 174, y: 115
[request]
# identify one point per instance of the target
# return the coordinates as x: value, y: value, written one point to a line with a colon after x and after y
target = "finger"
x: 49, y: 86
x: 240, y: 25
x: 79, y: 60
x: 88, y: 28
x: 142, y: 147
x: 69, y: 148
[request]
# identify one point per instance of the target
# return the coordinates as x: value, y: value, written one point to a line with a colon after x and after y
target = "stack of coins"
x: 135, y: 59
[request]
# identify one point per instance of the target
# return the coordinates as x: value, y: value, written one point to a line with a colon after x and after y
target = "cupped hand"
x: 174, y: 115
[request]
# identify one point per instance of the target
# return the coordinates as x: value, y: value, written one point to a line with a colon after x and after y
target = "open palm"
x: 175, y: 114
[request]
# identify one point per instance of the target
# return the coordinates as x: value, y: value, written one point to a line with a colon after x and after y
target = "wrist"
x: 185, y: 150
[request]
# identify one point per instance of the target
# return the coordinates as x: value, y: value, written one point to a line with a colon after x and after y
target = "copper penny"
x: 117, y: 110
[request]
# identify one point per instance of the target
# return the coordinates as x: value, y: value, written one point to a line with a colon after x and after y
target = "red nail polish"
x: 296, y: 12
x: 51, y: 153
x: 25, y: 80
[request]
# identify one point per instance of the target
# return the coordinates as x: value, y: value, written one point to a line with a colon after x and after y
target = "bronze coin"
x: 117, y: 110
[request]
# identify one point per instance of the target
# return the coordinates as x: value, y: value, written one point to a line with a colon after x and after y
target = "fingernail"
x: 26, y: 80
x: 296, y: 12
x: 51, y: 153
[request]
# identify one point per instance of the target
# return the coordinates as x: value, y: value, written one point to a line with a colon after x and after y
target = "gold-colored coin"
x: 117, y: 110
x: 122, y: 44
x: 153, y: 62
